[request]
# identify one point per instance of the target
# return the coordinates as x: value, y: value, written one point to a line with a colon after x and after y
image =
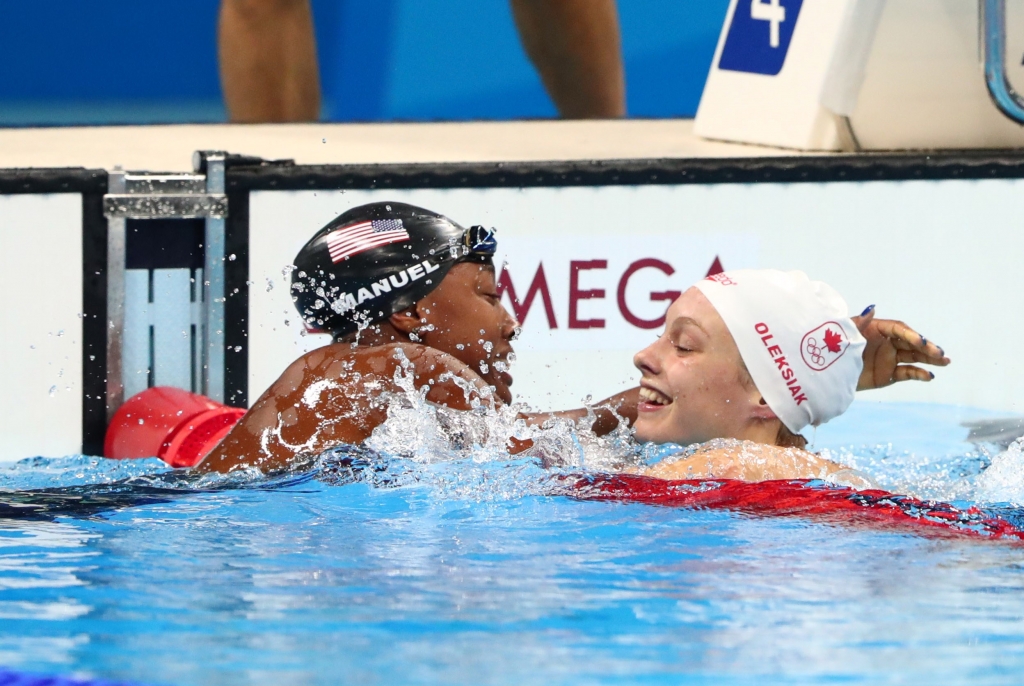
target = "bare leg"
x: 576, y: 48
x: 268, y: 66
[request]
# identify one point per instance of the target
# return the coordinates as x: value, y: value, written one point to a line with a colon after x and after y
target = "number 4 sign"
x: 759, y: 36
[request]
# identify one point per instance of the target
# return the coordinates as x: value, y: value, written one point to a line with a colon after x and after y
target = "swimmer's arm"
x: 328, y: 398
x: 746, y: 462
x: 605, y: 419
x: 280, y: 426
x: 892, y: 350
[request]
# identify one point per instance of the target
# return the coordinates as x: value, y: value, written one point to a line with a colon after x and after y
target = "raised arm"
x: 892, y: 352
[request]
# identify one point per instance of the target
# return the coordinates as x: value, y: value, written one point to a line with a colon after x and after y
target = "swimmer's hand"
x: 892, y: 351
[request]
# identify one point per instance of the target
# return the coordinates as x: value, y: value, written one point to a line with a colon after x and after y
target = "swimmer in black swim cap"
x: 402, y: 289
x: 379, y: 259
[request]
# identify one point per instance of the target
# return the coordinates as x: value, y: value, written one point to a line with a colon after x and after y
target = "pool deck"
x: 169, y: 148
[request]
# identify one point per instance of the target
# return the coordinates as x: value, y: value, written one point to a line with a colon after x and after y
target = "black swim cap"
x: 376, y: 260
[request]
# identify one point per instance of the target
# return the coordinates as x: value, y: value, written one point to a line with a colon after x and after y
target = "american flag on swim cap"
x: 356, y: 238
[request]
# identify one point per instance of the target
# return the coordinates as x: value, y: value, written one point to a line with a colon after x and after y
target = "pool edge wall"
x: 931, y: 264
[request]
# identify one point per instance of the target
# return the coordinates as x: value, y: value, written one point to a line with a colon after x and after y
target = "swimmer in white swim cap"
x: 757, y: 356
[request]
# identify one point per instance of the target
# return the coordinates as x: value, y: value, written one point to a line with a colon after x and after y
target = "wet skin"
x: 460, y: 332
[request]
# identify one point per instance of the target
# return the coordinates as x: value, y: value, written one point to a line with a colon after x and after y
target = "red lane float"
x: 795, y: 498
x: 179, y: 427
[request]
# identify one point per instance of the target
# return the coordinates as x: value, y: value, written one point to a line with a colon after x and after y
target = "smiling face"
x: 464, y: 317
x: 694, y: 386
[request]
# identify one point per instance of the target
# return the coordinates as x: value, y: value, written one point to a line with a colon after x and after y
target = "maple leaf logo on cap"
x: 824, y: 345
x: 833, y: 341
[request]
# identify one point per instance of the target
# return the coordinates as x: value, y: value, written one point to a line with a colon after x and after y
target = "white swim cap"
x: 795, y: 336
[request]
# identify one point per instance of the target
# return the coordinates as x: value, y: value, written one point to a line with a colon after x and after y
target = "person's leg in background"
x: 575, y: 45
x: 268, y: 66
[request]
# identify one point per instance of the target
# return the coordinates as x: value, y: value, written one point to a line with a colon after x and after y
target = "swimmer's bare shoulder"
x: 335, y: 395
x: 747, y: 461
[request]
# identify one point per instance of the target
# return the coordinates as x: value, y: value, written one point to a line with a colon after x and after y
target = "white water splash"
x: 978, y: 475
x: 1003, y: 480
x: 465, y: 454
x: 422, y: 431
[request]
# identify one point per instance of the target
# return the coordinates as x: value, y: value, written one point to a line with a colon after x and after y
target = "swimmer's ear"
x: 405, y: 321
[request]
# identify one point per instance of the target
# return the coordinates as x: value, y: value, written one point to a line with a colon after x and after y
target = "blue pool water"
x: 465, y: 570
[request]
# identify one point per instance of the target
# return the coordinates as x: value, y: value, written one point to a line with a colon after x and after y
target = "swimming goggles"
x: 479, y: 242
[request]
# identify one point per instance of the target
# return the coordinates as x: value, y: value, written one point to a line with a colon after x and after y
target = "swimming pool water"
x: 464, y: 571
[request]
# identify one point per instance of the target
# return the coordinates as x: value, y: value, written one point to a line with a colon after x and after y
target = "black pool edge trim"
x: 987, y: 164
x: 94, y: 322
x: 236, y: 305
x: 15, y: 181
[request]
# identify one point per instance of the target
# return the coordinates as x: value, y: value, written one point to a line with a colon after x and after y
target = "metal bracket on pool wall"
x: 165, y: 276
x: 993, y: 32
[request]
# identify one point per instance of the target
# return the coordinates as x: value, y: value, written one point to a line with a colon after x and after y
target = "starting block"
x: 861, y: 75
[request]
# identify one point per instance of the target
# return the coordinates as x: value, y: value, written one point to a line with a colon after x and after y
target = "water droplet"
x: 232, y: 257
x: 270, y: 285
x: 141, y: 421
x: 53, y: 391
